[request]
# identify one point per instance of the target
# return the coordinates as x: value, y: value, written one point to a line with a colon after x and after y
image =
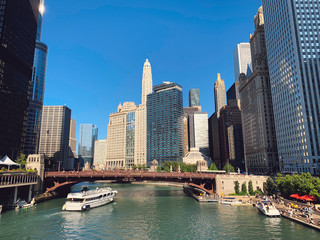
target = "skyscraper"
x: 257, y: 112
x: 294, y: 64
x: 37, y: 90
x: 100, y: 154
x: 233, y: 95
x: 194, y: 97
x: 54, y: 136
x: 87, y: 136
x: 121, y: 140
x: 165, y: 123
x: 18, y: 29
x: 241, y: 59
x: 72, y: 145
x: 140, y: 147
x: 219, y: 94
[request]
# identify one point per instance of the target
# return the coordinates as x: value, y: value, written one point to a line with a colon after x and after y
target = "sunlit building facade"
x: 292, y: 38
x: 88, y: 134
x: 165, y: 123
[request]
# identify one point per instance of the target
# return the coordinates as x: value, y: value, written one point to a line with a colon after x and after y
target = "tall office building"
x: 219, y: 94
x: 233, y: 95
x: 121, y: 140
x: 140, y: 147
x: 214, y: 140
x: 18, y: 29
x: 72, y: 145
x: 88, y: 134
x: 37, y: 90
x: 230, y: 137
x: 257, y: 112
x: 100, y: 154
x: 54, y: 136
x: 165, y: 123
x: 294, y: 67
x: 241, y: 59
x: 194, y: 97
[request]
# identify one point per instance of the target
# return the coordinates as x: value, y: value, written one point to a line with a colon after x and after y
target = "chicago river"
x: 148, y: 212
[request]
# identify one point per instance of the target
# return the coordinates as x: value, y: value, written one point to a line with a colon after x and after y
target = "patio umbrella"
x: 309, y: 198
x: 296, y: 195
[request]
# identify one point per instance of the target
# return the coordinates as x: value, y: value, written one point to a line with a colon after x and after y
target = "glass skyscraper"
x: 130, y: 141
x: 194, y: 97
x: 292, y: 38
x: 18, y: 28
x: 165, y: 123
x: 36, y: 91
x: 87, y: 137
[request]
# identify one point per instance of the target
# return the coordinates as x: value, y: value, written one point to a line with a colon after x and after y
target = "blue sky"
x: 97, y: 49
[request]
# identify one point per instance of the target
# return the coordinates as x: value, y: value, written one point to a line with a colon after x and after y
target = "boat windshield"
x: 75, y: 200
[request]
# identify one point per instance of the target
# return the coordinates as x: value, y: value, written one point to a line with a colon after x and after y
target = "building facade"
x: 121, y: 132
x: 194, y: 97
x: 100, y: 154
x: 257, y: 111
x: 88, y: 134
x: 165, y: 123
x: 54, y: 136
x: 18, y: 29
x: 72, y: 145
x: 233, y: 95
x: 294, y: 68
x: 140, y: 152
x: 230, y: 137
x: 219, y: 94
x: 241, y: 59
x: 36, y: 91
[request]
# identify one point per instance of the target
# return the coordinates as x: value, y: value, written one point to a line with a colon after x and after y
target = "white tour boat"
x: 87, y: 199
x: 268, y: 209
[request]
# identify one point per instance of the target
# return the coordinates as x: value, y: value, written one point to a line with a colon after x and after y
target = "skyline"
x: 186, y: 43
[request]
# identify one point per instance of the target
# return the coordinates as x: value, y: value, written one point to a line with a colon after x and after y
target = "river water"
x: 148, y: 212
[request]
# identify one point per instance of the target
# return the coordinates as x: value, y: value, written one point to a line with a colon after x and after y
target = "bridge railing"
x: 8, y: 179
x: 128, y: 174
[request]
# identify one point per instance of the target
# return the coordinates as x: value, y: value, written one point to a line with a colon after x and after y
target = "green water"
x: 148, y: 212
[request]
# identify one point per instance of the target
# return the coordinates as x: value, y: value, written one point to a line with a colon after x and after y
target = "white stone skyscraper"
x: 219, y: 94
x: 140, y: 153
x: 146, y: 82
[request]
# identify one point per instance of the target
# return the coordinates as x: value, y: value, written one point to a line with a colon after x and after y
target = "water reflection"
x: 148, y: 212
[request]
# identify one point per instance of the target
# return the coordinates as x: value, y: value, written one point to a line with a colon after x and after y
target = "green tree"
x: 228, y: 168
x: 270, y: 186
x: 134, y: 167
x: 158, y: 169
x: 251, y: 192
x: 244, y: 188
x: 22, y: 160
x: 236, y: 187
x: 213, y: 166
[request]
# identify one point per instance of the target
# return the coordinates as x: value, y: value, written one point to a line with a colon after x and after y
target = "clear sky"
x: 97, y: 49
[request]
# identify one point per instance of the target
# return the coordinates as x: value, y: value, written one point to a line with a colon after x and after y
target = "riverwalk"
x: 299, y: 214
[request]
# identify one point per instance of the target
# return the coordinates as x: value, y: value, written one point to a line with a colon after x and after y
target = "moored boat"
x: 268, y: 209
x: 87, y: 199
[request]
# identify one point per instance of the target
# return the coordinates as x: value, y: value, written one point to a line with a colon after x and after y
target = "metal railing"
x: 8, y: 179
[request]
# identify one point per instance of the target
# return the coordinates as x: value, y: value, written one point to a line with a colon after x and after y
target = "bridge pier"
x: 15, y: 195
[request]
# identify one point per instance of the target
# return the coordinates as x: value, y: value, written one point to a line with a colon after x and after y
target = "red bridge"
x: 59, y: 180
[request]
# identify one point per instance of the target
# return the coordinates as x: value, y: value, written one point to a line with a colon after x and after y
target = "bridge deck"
x: 129, y: 174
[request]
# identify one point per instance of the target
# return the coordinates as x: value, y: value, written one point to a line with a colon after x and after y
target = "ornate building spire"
x: 146, y: 82
x: 219, y: 94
